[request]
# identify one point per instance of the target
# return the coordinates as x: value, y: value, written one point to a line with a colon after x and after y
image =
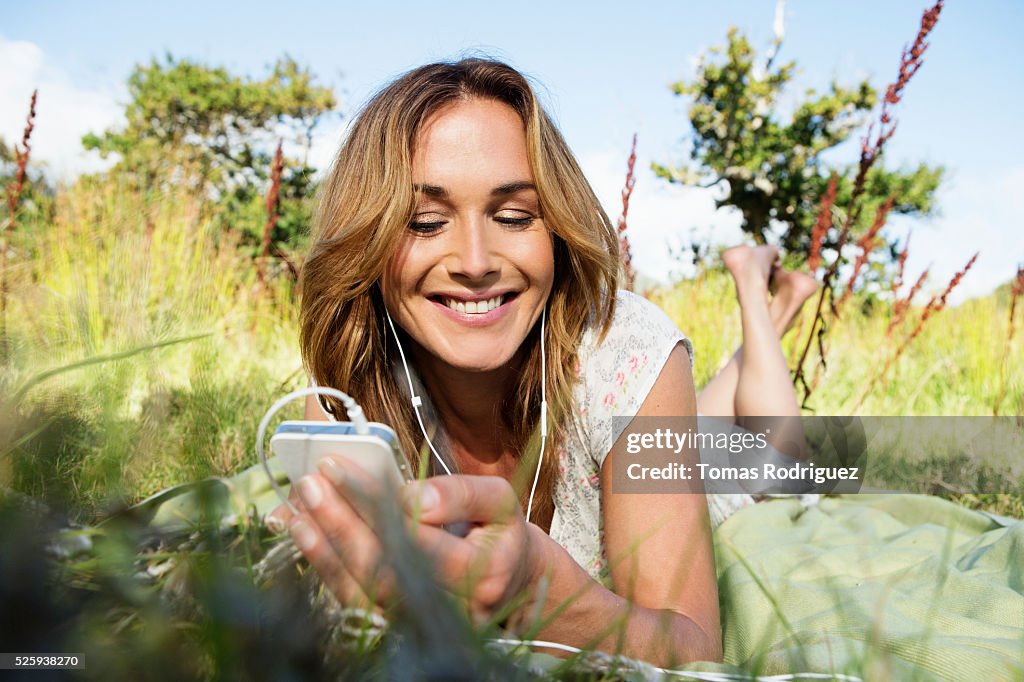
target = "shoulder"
x: 618, y: 372
x: 638, y: 327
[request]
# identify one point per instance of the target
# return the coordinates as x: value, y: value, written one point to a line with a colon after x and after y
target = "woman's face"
x: 476, y: 265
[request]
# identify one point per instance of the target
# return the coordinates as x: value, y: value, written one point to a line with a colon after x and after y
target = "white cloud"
x: 64, y: 110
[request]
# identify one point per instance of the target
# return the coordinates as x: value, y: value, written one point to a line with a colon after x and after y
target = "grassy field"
x: 142, y: 352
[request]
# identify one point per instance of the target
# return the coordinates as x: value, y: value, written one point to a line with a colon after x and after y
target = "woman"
x: 456, y: 211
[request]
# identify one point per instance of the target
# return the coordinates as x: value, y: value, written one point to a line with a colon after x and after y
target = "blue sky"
x: 604, y: 69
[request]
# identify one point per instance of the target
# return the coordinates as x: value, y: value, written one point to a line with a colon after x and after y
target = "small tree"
x: 188, y: 122
x: 774, y: 170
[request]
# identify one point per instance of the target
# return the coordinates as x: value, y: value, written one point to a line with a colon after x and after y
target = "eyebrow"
x: 501, y: 190
x: 512, y: 188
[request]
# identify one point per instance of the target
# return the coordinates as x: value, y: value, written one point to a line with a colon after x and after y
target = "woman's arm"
x: 665, y: 605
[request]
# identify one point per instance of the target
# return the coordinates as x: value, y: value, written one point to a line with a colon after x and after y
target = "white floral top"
x: 614, y: 380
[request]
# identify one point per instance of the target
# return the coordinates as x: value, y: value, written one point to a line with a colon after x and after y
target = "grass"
x: 953, y: 367
x: 115, y: 275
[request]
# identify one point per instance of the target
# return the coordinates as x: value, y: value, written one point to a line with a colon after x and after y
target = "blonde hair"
x: 365, y: 206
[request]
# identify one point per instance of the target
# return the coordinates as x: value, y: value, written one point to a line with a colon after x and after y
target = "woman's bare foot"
x: 751, y: 267
x: 757, y: 271
x: 790, y: 289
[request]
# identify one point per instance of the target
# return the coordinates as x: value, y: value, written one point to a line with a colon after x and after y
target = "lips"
x: 475, y: 305
x: 472, y: 307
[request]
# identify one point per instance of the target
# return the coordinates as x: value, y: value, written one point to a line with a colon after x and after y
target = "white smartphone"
x: 300, y: 445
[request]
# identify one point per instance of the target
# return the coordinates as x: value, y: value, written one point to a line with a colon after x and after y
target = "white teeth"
x: 473, y: 307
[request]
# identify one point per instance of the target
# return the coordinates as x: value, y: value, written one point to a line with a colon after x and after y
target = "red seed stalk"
x: 910, y: 61
x: 1016, y: 290
x: 15, y: 187
x: 822, y: 224
x: 900, y: 308
x: 941, y: 303
x: 625, y: 254
x: 272, y: 206
x: 935, y: 305
x: 897, y: 281
x: 867, y: 244
x: 14, y: 190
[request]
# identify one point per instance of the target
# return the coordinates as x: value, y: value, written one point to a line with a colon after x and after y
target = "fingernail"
x: 303, y: 535
x: 274, y: 524
x: 332, y: 470
x: 428, y: 497
x: 309, y: 491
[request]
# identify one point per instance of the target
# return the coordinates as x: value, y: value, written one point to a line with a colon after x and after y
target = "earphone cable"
x: 416, y: 400
x: 543, y: 412
x: 352, y: 408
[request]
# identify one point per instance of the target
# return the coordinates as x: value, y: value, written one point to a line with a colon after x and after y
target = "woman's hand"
x: 334, y: 574
x: 498, y: 560
x: 339, y: 525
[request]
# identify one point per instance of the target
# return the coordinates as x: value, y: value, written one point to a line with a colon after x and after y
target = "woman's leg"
x: 756, y: 381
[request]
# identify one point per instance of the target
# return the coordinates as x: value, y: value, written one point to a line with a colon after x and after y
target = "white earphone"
x: 417, y: 402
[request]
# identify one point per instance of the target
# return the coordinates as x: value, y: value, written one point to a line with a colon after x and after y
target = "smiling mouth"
x: 474, y: 307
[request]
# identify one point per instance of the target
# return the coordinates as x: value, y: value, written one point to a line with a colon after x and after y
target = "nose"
x: 472, y: 253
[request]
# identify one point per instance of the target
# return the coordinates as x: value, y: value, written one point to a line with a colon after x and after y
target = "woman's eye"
x: 515, y: 220
x: 426, y: 226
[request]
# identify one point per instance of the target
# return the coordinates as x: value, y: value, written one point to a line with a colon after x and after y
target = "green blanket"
x: 878, y: 586
x: 884, y: 586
